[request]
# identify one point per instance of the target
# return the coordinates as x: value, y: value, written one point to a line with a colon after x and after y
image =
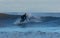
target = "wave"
x: 37, y: 19
x: 12, y: 20
x: 32, y: 18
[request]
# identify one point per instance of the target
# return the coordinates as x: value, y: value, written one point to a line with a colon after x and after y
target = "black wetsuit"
x: 23, y: 18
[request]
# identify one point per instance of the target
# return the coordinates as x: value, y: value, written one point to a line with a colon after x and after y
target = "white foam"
x: 17, y: 21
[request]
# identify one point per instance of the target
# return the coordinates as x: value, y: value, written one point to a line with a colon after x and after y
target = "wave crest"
x: 37, y: 19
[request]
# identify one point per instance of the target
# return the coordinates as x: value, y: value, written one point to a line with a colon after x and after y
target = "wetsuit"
x: 23, y: 18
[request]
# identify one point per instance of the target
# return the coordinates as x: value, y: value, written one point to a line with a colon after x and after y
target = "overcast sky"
x: 29, y: 5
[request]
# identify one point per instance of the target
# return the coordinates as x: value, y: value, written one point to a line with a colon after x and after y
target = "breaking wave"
x: 37, y: 19
x: 33, y: 20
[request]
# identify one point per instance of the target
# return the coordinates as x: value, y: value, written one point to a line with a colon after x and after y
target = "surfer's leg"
x: 22, y: 20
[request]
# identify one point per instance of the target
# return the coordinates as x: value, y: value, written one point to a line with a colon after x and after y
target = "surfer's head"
x: 25, y: 13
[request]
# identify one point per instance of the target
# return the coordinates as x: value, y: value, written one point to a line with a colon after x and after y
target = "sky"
x: 29, y: 5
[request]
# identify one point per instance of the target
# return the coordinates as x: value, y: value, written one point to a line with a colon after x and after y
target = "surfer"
x: 23, y: 17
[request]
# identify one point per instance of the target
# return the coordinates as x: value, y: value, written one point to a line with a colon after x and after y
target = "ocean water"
x: 38, y: 21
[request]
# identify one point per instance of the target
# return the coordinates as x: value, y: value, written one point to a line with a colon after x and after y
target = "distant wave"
x: 8, y: 16
x: 34, y: 14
